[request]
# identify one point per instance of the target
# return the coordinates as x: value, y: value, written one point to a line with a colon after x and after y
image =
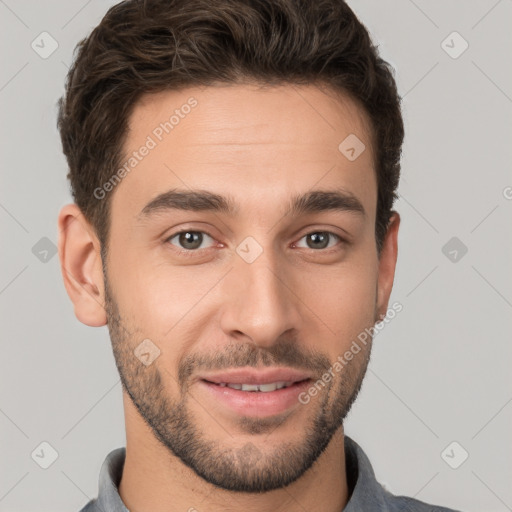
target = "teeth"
x: 249, y: 387
x: 271, y: 386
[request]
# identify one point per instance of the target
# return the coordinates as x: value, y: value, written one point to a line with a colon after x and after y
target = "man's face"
x: 259, y: 289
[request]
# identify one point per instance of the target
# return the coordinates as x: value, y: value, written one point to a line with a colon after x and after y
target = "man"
x: 234, y: 165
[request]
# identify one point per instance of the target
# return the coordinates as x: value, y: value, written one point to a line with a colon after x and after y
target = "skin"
x: 296, y: 305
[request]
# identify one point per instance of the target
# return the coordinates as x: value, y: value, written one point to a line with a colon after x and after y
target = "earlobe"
x: 80, y: 262
x: 387, y: 264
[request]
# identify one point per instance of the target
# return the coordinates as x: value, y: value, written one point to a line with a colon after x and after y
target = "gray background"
x: 440, y: 371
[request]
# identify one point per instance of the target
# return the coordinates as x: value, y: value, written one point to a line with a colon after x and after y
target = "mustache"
x: 287, y: 353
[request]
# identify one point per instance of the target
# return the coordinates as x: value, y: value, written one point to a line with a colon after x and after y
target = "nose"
x: 259, y: 301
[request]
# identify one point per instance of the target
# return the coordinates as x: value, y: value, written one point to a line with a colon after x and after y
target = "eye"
x: 189, y: 240
x: 320, y: 239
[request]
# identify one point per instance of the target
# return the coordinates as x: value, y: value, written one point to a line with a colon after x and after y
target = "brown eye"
x: 189, y: 240
x: 320, y: 239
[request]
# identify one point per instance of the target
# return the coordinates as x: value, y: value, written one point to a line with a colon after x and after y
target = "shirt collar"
x: 367, y: 493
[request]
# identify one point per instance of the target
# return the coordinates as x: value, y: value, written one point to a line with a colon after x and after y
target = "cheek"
x: 342, y: 299
x: 155, y: 297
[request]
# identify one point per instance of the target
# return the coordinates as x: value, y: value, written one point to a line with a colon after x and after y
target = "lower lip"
x: 257, y: 403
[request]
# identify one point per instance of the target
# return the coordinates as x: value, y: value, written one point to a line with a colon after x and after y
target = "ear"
x: 80, y: 262
x: 387, y: 263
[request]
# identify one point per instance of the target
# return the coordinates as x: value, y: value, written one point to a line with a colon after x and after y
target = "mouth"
x: 262, y: 388
x: 256, y: 393
x: 283, y: 377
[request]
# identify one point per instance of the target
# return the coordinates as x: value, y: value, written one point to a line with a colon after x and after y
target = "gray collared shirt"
x: 366, y: 494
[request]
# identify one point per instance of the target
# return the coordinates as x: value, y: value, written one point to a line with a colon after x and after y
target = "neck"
x: 154, y: 479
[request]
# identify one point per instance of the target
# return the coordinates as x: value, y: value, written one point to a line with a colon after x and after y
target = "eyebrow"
x: 202, y: 200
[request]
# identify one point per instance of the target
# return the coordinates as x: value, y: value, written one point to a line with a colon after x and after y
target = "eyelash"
x: 195, y: 252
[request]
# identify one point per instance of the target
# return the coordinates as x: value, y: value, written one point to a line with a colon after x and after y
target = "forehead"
x: 253, y: 142
x: 249, y: 114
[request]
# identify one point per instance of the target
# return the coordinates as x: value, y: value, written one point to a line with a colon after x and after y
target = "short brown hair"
x: 148, y: 46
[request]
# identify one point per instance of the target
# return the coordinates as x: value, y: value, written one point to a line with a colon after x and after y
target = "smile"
x: 255, y: 400
x: 265, y: 388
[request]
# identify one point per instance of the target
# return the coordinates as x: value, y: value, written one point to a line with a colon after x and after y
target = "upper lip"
x: 254, y: 376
